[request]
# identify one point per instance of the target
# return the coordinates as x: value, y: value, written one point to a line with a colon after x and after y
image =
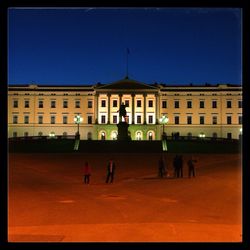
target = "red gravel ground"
x: 48, y: 201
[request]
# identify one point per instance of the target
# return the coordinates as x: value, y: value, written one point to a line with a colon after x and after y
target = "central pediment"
x: 127, y: 84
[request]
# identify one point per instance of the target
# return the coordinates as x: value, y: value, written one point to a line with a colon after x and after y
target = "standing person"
x: 161, y: 167
x: 86, y: 172
x: 176, y: 166
x: 191, y: 167
x: 110, y: 171
x: 181, y: 165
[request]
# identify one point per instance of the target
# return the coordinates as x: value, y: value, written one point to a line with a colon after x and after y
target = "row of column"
x: 133, y: 106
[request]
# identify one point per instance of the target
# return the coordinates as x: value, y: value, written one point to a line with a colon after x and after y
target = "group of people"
x: 162, y: 167
x: 177, y: 165
x: 110, y: 172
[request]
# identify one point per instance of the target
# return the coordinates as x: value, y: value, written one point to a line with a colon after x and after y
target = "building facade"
x: 205, y: 111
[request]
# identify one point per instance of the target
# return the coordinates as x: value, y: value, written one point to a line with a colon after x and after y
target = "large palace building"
x: 205, y: 111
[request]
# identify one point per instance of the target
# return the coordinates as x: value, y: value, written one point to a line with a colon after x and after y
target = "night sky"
x: 89, y: 45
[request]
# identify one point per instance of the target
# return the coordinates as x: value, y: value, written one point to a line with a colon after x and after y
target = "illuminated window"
x: 103, y: 119
x: 150, y: 119
x: 138, y: 136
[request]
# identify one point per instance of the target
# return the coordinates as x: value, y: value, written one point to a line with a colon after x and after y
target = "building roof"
x: 126, y: 84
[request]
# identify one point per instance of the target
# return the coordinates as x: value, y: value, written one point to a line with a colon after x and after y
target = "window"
x: 176, y: 120
x: 239, y: 104
x: 65, y: 104
x: 189, y: 104
x: 150, y: 103
x: 214, y: 104
x: 138, y: 103
x: 26, y: 119
x: 40, y: 119
x: 15, y: 119
x: 150, y: 119
x: 127, y: 103
x: 189, y: 120
x: 103, y: 119
x: 65, y: 119
x: 53, y: 119
x: 53, y: 104
x: 214, y: 121
x: 90, y: 104
x: 77, y: 104
x: 89, y: 119
x: 115, y: 103
x: 114, y: 119
x: 40, y: 104
x: 240, y: 119
x: 229, y: 104
x: 103, y: 103
x: 229, y: 120
x: 138, y: 119
x: 15, y: 104
x: 26, y: 103
x: 202, y: 119
x: 202, y: 104
x: 164, y: 104
x: 229, y: 136
x: 176, y: 104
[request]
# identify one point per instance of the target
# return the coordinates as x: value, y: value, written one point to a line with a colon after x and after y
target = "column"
x: 156, y: 108
x: 109, y: 108
x: 133, y: 108
x: 96, y: 108
x: 144, y: 108
x: 120, y: 101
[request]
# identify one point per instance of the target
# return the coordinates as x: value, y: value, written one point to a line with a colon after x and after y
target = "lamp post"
x: 163, y: 120
x: 78, y: 119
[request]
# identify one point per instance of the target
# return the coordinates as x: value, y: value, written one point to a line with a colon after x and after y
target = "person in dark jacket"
x: 176, y: 166
x: 86, y: 172
x: 110, y: 171
x: 162, y: 167
x: 191, y: 167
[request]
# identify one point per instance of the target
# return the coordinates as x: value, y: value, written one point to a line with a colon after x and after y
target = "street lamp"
x: 78, y: 119
x: 164, y: 120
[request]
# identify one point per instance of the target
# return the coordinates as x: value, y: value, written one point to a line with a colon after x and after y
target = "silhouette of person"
x: 162, y: 167
x: 181, y: 166
x: 176, y: 166
x: 86, y: 172
x: 191, y: 167
x: 122, y: 112
x: 110, y: 171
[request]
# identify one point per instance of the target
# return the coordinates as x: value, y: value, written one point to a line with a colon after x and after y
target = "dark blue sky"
x: 86, y: 46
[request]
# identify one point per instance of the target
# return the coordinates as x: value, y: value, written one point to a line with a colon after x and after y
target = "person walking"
x: 86, y: 172
x: 191, y: 167
x: 110, y: 171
